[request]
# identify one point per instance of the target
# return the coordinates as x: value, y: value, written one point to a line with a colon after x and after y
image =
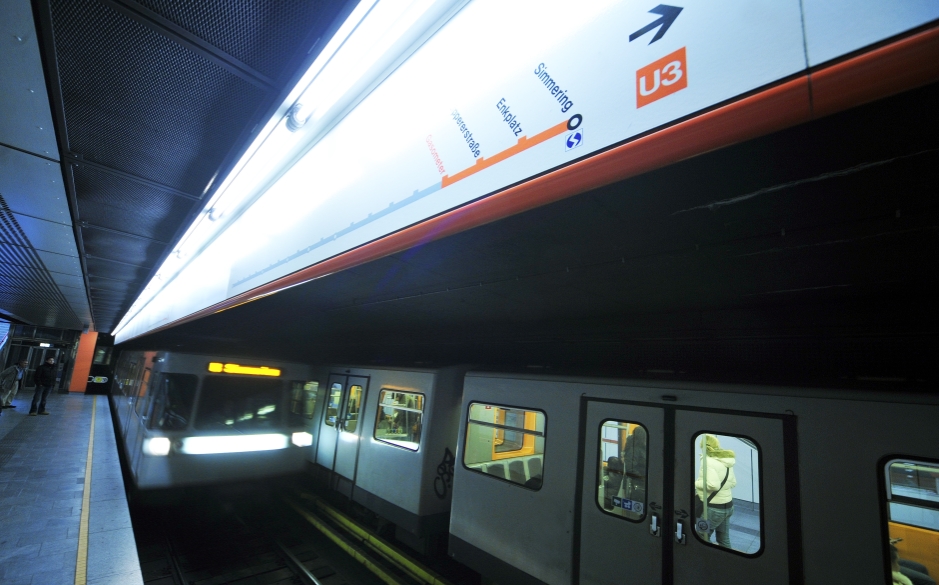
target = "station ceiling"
x: 117, y: 117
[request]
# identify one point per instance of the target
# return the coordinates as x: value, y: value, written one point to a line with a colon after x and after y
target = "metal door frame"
x: 340, y: 428
x: 790, y: 448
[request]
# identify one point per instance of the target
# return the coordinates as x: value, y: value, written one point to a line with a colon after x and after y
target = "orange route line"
x: 524, y: 143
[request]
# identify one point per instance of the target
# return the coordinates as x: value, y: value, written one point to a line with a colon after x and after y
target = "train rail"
x: 388, y: 562
x: 211, y: 540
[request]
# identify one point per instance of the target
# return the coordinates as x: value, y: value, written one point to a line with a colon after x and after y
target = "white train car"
x: 190, y: 419
x: 565, y: 481
x: 386, y: 439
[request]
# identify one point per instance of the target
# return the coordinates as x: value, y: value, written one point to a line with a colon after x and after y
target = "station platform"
x: 63, y: 511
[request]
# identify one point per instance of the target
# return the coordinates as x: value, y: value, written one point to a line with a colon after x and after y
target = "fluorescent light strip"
x: 189, y: 244
x: 233, y: 444
x: 373, y: 30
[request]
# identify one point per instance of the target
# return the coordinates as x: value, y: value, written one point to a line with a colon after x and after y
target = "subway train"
x: 536, y: 479
x: 192, y: 419
x: 563, y: 480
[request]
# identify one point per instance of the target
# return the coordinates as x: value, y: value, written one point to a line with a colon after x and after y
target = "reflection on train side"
x: 507, y: 443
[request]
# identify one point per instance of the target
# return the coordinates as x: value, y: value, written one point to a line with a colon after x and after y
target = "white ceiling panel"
x: 48, y: 236
x: 33, y: 186
x: 61, y: 263
x: 24, y: 88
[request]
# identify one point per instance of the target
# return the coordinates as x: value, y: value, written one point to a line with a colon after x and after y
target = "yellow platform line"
x: 81, y: 564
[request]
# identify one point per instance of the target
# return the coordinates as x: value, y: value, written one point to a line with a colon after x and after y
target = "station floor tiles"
x: 42, y: 490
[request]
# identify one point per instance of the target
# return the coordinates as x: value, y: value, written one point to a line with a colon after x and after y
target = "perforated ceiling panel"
x: 153, y: 101
x: 138, y: 102
x: 117, y: 203
x: 261, y: 34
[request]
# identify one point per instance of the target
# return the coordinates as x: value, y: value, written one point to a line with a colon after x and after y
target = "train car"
x: 188, y: 419
x: 386, y: 439
x: 566, y: 481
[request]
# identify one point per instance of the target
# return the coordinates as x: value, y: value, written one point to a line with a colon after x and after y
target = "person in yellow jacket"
x: 720, y: 481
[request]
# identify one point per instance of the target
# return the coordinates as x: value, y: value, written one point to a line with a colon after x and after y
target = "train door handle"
x: 654, y: 528
x: 680, y: 536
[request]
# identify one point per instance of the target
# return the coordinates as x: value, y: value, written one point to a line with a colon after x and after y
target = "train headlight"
x: 233, y: 444
x: 302, y: 439
x: 158, y: 446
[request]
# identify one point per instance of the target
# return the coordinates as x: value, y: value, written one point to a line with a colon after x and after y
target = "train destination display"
x: 504, y: 92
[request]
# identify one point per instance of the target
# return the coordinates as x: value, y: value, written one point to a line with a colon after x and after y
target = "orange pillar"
x: 83, y: 358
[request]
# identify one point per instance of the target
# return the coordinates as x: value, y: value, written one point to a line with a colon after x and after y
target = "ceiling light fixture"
x: 376, y: 37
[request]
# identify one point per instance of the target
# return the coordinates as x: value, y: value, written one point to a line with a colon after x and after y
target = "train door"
x: 684, y: 496
x: 338, y: 446
x: 329, y: 432
x: 350, y: 428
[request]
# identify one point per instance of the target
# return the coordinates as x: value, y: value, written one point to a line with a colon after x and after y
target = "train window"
x: 239, y: 403
x: 172, y: 396
x: 621, y: 480
x: 332, y: 407
x: 350, y: 414
x: 399, y: 418
x: 913, y: 516
x: 506, y: 442
x: 726, y: 492
x: 302, y: 401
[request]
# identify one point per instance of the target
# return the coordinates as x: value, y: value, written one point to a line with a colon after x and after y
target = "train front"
x: 217, y: 420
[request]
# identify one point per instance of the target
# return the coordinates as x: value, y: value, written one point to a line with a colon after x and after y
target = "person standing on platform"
x: 45, y: 380
x: 11, y: 379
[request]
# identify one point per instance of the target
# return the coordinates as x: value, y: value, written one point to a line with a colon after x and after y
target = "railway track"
x: 215, y: 539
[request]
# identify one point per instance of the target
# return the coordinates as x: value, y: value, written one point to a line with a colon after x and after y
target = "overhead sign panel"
x: 497, y: 96
x: 837, y: 27
x: 503, y: 92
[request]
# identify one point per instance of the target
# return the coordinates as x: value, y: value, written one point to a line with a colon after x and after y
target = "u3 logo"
x: 661, y: 78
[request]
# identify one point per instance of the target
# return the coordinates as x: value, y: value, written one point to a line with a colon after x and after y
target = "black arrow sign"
x: 669, y: 14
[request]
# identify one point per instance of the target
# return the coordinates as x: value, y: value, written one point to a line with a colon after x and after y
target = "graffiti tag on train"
x: 444, y: 479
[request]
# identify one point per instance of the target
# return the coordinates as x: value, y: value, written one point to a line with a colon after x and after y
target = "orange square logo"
x: 661, y: 78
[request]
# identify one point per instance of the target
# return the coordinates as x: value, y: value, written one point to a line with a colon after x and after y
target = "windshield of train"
x: 241, y: 404
x: 172, y: 396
